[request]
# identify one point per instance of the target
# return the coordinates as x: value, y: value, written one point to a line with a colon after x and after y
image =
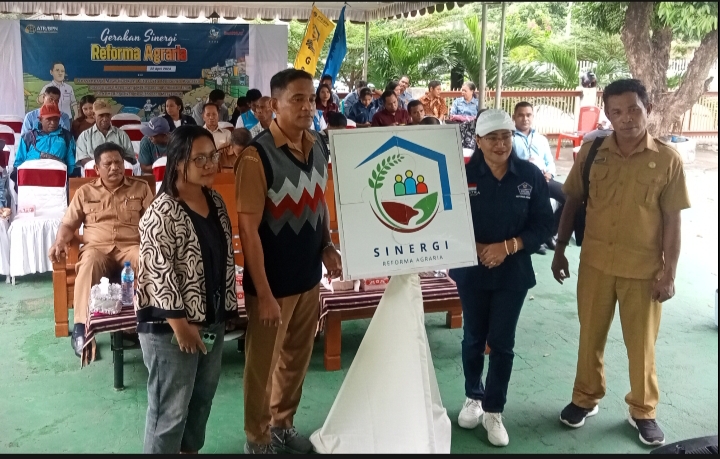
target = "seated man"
x: 211, y: 116
x: 109, y: 208
x: 416, y: 111
x: 217, y: 98
x: 249, y: 119
x: 103, y: 132
x: 432, y: 102
x: 154, y: 145
x: 391, y: 115
x: 362, y: 111
x: 239, y: 140
x: 532, y: 146
x: 264, y: 115
x: 430, y: 121
x: 47, y: 140
x: 51, y: 94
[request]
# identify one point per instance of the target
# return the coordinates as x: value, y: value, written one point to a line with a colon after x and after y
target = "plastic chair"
x: 13, y: 122
x: 587, y: 122
x: 8, y: 136
x: 159, y: 172
x: 89, y: 169
x: 122, y: 119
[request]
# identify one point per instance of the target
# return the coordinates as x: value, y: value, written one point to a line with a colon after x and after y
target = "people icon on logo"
x: 410, y: 186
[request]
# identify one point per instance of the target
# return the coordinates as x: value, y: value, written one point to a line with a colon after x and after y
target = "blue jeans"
x: 489, y: 316
x: 181, y: 388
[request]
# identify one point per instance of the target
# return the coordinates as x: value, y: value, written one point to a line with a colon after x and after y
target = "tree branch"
x: 692, y: 85
x: 635, y: 36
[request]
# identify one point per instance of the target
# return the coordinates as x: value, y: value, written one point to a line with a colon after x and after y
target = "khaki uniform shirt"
x: 250, y: 183
x: 221, y: 136
x: 110, y: 218
x: 624, y: 224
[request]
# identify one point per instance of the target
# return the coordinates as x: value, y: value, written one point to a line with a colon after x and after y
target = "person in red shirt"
x: 391, y: 115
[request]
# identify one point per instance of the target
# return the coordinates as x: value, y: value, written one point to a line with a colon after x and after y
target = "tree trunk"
x: 648, y: 55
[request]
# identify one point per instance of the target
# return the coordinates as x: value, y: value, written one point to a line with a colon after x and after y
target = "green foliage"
x: 379, y: 173
x: 421, y: 58
x: 563, y: 70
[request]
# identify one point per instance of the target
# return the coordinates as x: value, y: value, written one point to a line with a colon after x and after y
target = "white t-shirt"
x: 67, y: 96
x: 178, y: 123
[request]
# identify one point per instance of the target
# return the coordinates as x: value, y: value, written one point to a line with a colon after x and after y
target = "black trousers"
x: 489, y: 316
x: 557, y: 194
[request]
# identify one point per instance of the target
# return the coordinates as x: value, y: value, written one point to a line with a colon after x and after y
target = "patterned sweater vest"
x: 294, y: 218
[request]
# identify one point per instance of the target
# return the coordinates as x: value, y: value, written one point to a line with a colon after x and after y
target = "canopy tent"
x: 356, y: 11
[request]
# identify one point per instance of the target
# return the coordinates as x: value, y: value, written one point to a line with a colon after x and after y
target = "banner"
x: 136, y: 66
x: 403, y: 205
x: 318, y: 29
x: 338, y: 49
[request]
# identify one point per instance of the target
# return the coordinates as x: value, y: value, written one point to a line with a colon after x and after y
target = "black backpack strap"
x: 588, y: 164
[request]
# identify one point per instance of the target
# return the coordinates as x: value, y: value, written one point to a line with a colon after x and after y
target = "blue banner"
x: 135, y: 66
x: 338, y: 49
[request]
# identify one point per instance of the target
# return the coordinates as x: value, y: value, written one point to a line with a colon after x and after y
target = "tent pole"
x: 483, y: 54
x: 498, y: 86
x: 365, y: 56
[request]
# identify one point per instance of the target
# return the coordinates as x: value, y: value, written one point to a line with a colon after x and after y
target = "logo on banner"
x: 318, y: 29
x: 214, y: 33
x: 404, y: 200
x: 31, y: 28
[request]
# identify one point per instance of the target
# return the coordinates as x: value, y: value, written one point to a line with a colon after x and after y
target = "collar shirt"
x: 406, y: 98
x: 222, y: 136
x: 434, y: 106
x: 350, y: 100
x: 626, y: 201
x: 32, y: 119
x: 67, y: 96
x: 518, y: 205
x: 464, y: 108
x: 58, y: 144
x: 109, y: 218
x: 535, y: 148
x: 92, y: 138
x: 361, y: 114
x: 150, y: 152
x: 198, y: 109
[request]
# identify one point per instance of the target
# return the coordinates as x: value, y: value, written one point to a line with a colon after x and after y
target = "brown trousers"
x: 276, y: 361
x: 92, y: 265
x: 597, y: 294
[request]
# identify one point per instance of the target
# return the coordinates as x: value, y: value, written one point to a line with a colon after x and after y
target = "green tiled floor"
x: 48, y: 404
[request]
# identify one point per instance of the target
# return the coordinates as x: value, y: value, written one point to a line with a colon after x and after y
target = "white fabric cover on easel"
x: 390, y: 401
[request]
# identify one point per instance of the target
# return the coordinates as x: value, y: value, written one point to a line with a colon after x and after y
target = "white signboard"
x: 402, y: 200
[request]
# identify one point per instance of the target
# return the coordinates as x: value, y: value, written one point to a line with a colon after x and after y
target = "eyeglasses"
x: 495, y: 139
x: 201, y: 161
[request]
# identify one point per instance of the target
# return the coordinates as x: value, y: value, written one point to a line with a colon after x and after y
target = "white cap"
x: 493, y: 120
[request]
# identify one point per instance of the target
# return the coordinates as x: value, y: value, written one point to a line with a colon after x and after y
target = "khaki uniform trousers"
x: 94, y: 264
x: 276, y: 362
x: 597, y: 294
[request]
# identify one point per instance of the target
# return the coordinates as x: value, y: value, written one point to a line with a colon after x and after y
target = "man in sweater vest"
x: 285, y: 235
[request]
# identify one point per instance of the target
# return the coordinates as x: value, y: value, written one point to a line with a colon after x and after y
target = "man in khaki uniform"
x: 109, y: 208
x: 629, y: 255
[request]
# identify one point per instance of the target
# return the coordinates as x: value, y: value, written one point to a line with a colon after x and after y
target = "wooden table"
x: 439, y: 295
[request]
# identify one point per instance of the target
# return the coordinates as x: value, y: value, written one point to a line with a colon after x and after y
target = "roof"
x: 356, y: 11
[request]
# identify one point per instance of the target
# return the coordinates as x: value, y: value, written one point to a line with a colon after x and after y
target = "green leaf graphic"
x: 427, y: 206
x: 372, y: 185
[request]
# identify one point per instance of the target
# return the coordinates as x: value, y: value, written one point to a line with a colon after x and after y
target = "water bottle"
x: 127, y: 280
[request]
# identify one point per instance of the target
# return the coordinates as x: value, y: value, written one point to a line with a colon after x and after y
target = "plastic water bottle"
x: 127, y: 280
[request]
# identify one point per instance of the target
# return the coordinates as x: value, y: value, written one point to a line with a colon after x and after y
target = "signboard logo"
x: 29, y: 28
x: 403, y: 199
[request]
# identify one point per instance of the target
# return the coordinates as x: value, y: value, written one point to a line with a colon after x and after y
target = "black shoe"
x: 551, y: 243
x: 542, y: 250
x: 77, y: 340
x: 574, y: 416
x: 650, y: 432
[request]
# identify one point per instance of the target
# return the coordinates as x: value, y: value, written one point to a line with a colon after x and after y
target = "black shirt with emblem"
x: 518, y: 205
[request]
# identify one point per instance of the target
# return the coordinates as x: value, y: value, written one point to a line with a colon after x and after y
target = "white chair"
x: 226, y: 125
x: 41, y: 184
x: 89, y: 169
x: 159, y: 172
x: 4, y: 249
x: 122, y: 119
x: 351, y: 124
x: 15, y: 123
x: 8, y: 135
x: 133, y: 131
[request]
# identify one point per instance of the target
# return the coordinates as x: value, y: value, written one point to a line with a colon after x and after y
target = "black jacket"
x: 184, y: 120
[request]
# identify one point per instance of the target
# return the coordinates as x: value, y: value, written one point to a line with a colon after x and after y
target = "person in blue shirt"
x: 353, y: 98
x: 467, y: 105
x: 511, y: 214
x: 47, y: 140
x: 248, y: 120
x: 154, y: 145
x: 51, y: 94
x: 363, y: 111
x: 532, y: 146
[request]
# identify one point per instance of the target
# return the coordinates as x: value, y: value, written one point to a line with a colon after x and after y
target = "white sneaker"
x: 470, y: 414
x: 497, y: 435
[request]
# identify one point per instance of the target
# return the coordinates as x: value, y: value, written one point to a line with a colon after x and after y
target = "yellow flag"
x: 318, y: 29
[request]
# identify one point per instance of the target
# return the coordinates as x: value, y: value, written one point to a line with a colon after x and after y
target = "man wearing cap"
x: 50, y: 94
x: 511, y: 213
x: 154, y: 145
x: 101, y: 133
x: 109, y: 208
x: 47, y: 140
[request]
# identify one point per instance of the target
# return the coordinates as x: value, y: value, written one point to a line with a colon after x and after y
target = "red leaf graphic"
x: 399, y: 212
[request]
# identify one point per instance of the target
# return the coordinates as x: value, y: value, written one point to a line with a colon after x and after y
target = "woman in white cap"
x: 511, y: 214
